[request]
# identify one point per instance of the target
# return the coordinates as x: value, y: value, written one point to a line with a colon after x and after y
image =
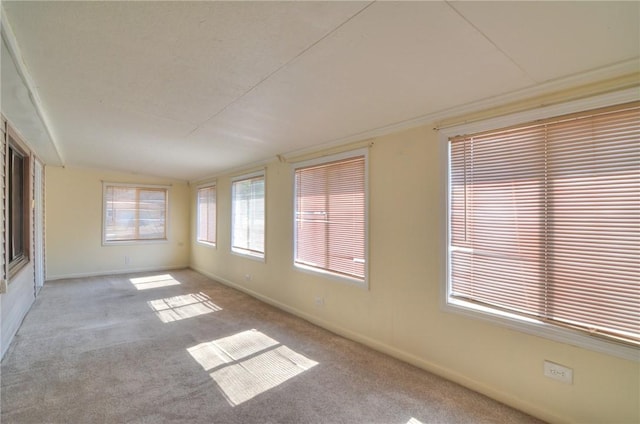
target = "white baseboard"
x: 114, y: 272
x: 410, y: 358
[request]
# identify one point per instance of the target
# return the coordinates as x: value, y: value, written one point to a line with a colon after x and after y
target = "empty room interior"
x: 320, y: 212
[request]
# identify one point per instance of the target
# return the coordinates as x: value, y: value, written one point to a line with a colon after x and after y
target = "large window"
x: 544, y: 222
x: 247, y: 203
x: 134, y: 213
x: 18, y: 206
x: 330, y: 216
x: 206, y: 231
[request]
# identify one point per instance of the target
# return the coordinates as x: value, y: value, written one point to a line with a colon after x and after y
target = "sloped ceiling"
x: 185, y: 90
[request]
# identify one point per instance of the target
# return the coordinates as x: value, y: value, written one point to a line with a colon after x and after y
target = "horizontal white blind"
x: 135, y: 213
x: 207, y: 214
x: 330, y: 217
x: 248, y: 215
x: 545, y: 221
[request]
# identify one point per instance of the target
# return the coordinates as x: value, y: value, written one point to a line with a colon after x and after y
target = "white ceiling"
x: 185, y: 90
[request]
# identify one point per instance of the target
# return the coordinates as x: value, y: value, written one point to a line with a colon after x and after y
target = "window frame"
x: 106, y: 242
x: 364, y: 152
x: 13, y: 142
x: 247, y: 253
x: 210, y: 185
x: 502, y: 318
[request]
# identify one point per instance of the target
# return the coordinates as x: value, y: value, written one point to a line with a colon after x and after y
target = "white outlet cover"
x: 558, y: 372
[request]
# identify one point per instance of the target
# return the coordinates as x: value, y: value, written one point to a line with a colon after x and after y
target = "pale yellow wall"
x: 73, y: 221
x: 400, y: 313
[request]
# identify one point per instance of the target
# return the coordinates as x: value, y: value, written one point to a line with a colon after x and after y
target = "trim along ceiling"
x: 184, y: 90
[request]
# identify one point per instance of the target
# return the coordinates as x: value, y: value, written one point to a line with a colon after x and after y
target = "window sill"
x: 134, y: 242
x: 16, y: 267
x: 248, y: 254
x: 541, y: 329
x: 207, y: 244
x: 331, y: 275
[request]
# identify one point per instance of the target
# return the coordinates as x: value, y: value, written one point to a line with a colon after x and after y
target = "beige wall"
x: 73, y: 226
x: 400, y: 313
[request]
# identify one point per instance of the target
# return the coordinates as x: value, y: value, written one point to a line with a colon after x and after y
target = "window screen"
x: 134, y: 213
x: 207, y: 214
x: 247, y: 235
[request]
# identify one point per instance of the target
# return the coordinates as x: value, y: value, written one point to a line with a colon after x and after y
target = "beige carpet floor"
x: 179, y: 347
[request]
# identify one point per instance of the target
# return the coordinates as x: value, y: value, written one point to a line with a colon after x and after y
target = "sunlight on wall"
x: 153, y: 282
x: 248, y: 363
x: 181, y: 307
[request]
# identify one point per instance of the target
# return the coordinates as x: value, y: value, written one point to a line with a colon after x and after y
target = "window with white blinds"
x: 248, y: 217
x: 330, y: 216
x: 206, y: 231
x: 134, y: 213
x: 544, y: 221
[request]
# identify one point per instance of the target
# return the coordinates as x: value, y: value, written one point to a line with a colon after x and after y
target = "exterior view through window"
x: 206, y: 230
x: 134, y: 213
x: 543, y: 221
x: 248, y: 204
x: 330, y: 216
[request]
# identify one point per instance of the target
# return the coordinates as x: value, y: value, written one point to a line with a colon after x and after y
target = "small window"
x: 248, y: 205
x: 18, y: 207
x: 543, y: 222
x: 206, y: 231
x: 134, y: 213
x: 330, y: 216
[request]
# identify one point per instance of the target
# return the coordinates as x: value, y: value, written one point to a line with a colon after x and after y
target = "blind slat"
x: 206, y: 230
x: 248, y: 210
x: 135, y: 213
x: 545, y: 220
x: 330, y: 217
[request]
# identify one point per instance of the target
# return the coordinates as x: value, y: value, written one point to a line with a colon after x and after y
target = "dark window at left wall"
x: 18, y: 207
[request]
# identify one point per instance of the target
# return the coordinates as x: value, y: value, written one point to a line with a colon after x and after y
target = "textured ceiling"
x: 184, y: 90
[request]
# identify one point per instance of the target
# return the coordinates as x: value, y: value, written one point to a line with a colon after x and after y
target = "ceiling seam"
x: 281, y: 67
x: 624, y: 91
x: 486, y: 37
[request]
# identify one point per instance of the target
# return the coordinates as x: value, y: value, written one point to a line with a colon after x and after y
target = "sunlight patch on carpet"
x: 248, y: 363
x: 154, y: 282
x: 414, y: 421
x: 177, y: 308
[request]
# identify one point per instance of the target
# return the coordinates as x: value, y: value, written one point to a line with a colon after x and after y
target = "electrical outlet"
x: 319, y: 301
x: 247, y: 277
x: 127, y: 260
x: 558, y: 372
